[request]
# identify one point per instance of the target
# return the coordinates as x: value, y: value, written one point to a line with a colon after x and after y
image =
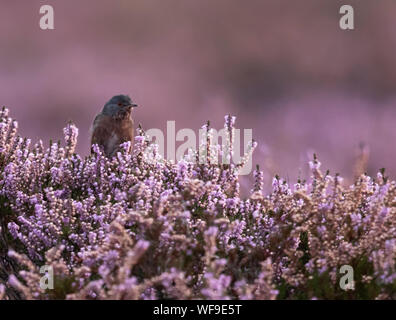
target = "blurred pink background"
x: 284, y: 68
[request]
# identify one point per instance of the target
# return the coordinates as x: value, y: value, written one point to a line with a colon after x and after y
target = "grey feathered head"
x: 120, y: 103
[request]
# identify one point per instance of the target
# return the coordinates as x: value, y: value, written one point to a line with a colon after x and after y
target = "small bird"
x: 113, y: 125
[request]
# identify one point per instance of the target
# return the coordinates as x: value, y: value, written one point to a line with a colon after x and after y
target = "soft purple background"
x: 284, y: 68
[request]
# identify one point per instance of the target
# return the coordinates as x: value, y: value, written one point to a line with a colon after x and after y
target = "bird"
x: 113, y: 125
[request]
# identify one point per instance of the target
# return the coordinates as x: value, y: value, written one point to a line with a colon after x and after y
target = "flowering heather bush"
x: 127, y: 228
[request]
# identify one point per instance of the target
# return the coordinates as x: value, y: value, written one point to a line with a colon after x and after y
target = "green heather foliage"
x: 129, y: 228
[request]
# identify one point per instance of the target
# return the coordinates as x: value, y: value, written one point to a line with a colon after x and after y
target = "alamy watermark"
x: 47, y: 280
x: 347, y: 281
x: 47, y: 19
x: 225, y: 146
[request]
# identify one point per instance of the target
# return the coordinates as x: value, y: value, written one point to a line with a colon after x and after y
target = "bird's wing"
x: 100, y: 130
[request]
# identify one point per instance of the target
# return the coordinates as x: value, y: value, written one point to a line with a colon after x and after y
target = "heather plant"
x: 137, y: 226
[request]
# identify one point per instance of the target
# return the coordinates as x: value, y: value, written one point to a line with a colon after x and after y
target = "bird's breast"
x: 112, y: 142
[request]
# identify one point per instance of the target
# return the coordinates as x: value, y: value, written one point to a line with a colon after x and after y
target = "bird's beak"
x: 129, y: 107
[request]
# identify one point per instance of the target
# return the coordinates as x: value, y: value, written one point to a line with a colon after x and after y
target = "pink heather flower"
x: 314, y: 165
x: 13, y: 229
x: 212, y: 232
x: 13, y: 281
x: 139, y: 139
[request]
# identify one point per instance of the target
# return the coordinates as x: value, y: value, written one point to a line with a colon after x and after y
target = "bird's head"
x: 119, y: 106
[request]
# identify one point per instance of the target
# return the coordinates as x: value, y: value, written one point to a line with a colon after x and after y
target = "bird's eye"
x: 120, y: 104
